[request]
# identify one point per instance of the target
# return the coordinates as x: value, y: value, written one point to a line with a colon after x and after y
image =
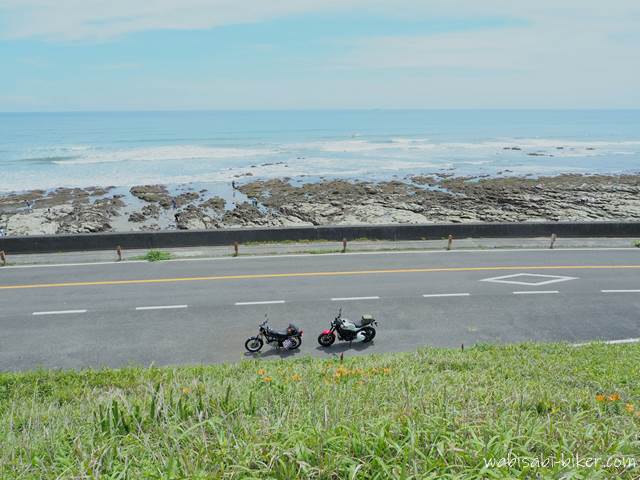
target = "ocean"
x: 50, y: 150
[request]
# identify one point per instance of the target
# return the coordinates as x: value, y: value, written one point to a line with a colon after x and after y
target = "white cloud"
x: 104, y: 19
x: 582, y: 54
x: 567, y: 53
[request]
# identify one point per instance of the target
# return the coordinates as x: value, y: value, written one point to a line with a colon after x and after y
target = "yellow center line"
x: 314, y: 274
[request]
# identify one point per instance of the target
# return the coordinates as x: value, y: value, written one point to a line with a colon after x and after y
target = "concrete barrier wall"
x: 197, y: 238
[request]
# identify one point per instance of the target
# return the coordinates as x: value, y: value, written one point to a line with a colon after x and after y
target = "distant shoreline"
x: 441, y: 198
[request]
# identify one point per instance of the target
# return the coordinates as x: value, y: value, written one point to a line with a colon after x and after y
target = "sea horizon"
x: 327, y: 109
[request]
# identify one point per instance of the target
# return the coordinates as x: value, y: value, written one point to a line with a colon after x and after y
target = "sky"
x: 74, y: 55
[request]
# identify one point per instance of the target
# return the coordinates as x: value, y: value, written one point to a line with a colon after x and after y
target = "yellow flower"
x: 600, y: 398
x: 186, y: 390
x: 267, y: 379
x: 629, y: 407
x: 295, y: 377
x: 386, y: 370
x: 614, y: 397
x: 261, y: 371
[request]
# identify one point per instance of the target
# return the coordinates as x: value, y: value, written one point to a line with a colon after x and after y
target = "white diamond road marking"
x: 512, y: 279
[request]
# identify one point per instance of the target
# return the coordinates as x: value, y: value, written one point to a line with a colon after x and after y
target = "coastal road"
x: 201, y: 310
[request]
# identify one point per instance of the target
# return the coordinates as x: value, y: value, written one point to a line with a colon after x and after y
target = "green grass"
x: 637, y: 243
x: 155, y: 256
x: 434, y: 413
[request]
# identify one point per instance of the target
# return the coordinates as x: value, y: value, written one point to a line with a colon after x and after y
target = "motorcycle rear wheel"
x: 253, y: 344
x: 326, y: 339
x: 297, y: 342
x: 369, y: 334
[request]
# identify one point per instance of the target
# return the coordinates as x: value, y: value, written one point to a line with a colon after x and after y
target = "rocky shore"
x: 278, y: 202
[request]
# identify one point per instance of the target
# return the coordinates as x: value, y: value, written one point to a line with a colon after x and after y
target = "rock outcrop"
x: 437, y: 198
x: 452, y: 199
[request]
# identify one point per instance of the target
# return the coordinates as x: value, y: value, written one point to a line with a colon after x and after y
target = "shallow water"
x: 48, y: 150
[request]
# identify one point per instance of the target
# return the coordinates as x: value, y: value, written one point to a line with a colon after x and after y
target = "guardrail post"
x: 3, y: 258
x: 344, y: 245
x: 554, y: 237
x: 450, y: 242
x: 119, y: 252
x: 236, y: 248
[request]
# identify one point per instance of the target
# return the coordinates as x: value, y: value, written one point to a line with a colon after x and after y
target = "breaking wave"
x: 164, y: 153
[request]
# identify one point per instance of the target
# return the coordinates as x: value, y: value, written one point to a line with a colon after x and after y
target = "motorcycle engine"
x: 288, y: 344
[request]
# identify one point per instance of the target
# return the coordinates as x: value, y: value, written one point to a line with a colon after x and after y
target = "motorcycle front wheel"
x: 326, y: 339
x: 253, y: 344
x: 369, y: 333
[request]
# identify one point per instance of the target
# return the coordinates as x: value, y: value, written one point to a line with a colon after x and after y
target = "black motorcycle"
x: 288, y: 340
x: 348, y: 330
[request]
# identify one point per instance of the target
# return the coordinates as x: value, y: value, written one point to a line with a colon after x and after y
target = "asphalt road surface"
x: 201, y: 311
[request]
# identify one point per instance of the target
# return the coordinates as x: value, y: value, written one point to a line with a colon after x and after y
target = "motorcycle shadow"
x: 273, y: 352
x: 344, y: 346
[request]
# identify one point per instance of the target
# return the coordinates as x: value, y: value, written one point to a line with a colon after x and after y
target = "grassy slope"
x: 434, y: 413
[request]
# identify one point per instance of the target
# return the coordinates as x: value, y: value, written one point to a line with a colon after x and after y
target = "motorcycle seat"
x: 366, y: 320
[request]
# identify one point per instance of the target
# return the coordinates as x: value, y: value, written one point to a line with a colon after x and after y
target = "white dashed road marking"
x: 536, y: 292
x: 59, y: 312
x: 434, y: 295
x: 162, y: 307
x: 346, y: 299
x: 260, y: 303
x: 620, y: 291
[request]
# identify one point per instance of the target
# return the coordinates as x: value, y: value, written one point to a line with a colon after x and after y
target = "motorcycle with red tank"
x: 348, y: 331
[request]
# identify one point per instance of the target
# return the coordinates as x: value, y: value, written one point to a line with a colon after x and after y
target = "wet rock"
x: 39, y: 222
x: 153, y: 194
x: 137, y: 217
x: 244, y: 214
x: 185, y: 198
x: 99, y: 191
x: 151, y: 211
x: 214, y: 203
x: 154, y: 227
x: 424, y: 180
x: 193, y: 218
